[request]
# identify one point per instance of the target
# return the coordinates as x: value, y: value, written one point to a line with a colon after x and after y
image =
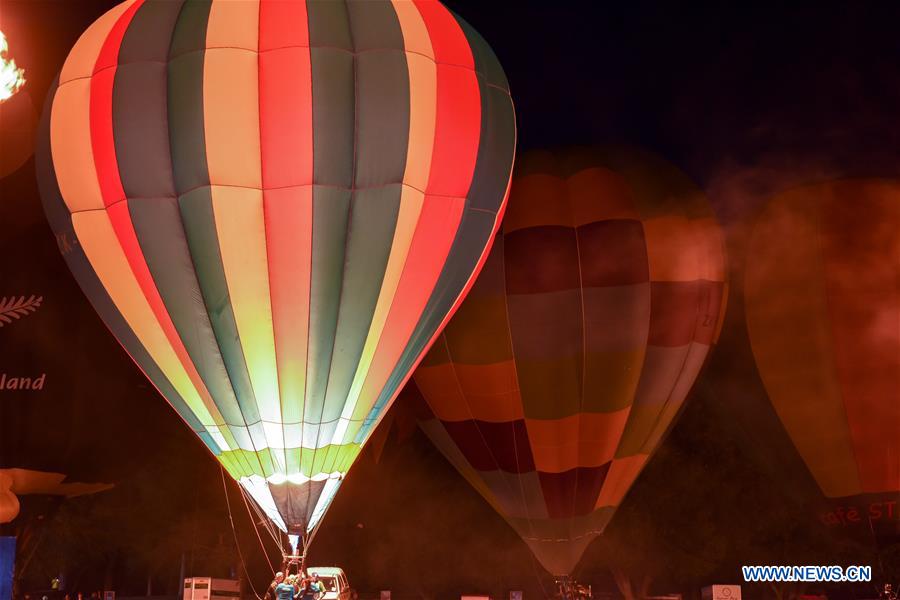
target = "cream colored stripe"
x: 101, y: 246
x: 422, y: 94
x: 231, y: 94
x: 415, y: 33
x: 83, y: 58
x: 70, y: 147
x: 233, y: 24
x: 234, y: 158
x: 240, y: 226
x: 70, y: 117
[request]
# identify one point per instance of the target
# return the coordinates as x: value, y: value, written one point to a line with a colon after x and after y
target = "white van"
x: 334, y: 580
x: 209, y: 588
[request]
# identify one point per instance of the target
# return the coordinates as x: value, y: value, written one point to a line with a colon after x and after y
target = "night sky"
x: 747, y: 98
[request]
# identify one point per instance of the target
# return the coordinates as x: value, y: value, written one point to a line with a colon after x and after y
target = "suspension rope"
x: 234, y: 533
x: 271, y: 529
x: 259, y: 518
x: 262, y: 545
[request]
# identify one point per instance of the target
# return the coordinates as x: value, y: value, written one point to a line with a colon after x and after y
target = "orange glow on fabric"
x: 571, y: 357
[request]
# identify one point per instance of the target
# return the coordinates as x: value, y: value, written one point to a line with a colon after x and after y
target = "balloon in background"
x: 574, y: 352
x: 822, y: 294
x: 275, y: 206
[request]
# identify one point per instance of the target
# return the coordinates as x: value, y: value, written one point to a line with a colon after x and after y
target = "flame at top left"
x: 12, y: 78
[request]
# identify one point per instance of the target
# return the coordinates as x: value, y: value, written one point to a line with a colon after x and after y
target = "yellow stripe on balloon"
x: 411, y: 202
x: 101, y: 247
x: 422, y: 94
x: 231, y: 94
x: 233, y: 151
x: 241, y: 230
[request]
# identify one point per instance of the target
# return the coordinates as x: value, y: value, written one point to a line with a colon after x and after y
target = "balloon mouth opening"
x: 298, y: 479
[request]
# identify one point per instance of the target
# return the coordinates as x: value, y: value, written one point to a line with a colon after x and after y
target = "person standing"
x: 270, y: 593
x: 287, y: 589
x: 314, y: 588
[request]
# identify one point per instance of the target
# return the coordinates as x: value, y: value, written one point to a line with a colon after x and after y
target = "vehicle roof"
x: 324, y: 570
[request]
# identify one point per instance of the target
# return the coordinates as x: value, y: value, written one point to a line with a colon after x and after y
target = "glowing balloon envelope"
x: 275, y: 206
x: 822, y: 294
x: 575, y: 350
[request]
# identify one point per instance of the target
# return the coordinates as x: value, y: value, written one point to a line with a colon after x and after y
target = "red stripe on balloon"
x: 283, y: 24
x: 286, y: 145
x: 457, y: 132
x: 497, y: 221
x: 289, y: 225
x: 103, y: 142
x: 458, y: 120
x: 106, y: 164
x: 285, y: 95
x: 447, y: 38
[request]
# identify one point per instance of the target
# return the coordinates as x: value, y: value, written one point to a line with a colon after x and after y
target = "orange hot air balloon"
x: 275, y: 206
x: 576, y: 348
x: 822, y: 294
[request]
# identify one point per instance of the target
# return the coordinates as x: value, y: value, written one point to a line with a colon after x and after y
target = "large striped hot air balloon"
x: 275, y: 206
x: 578, y: 344
x: 822, y: 293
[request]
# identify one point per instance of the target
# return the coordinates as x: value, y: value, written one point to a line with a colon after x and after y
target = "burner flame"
x: 12, y: 78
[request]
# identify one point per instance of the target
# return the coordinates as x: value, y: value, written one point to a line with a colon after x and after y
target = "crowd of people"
x: 295, y: 587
